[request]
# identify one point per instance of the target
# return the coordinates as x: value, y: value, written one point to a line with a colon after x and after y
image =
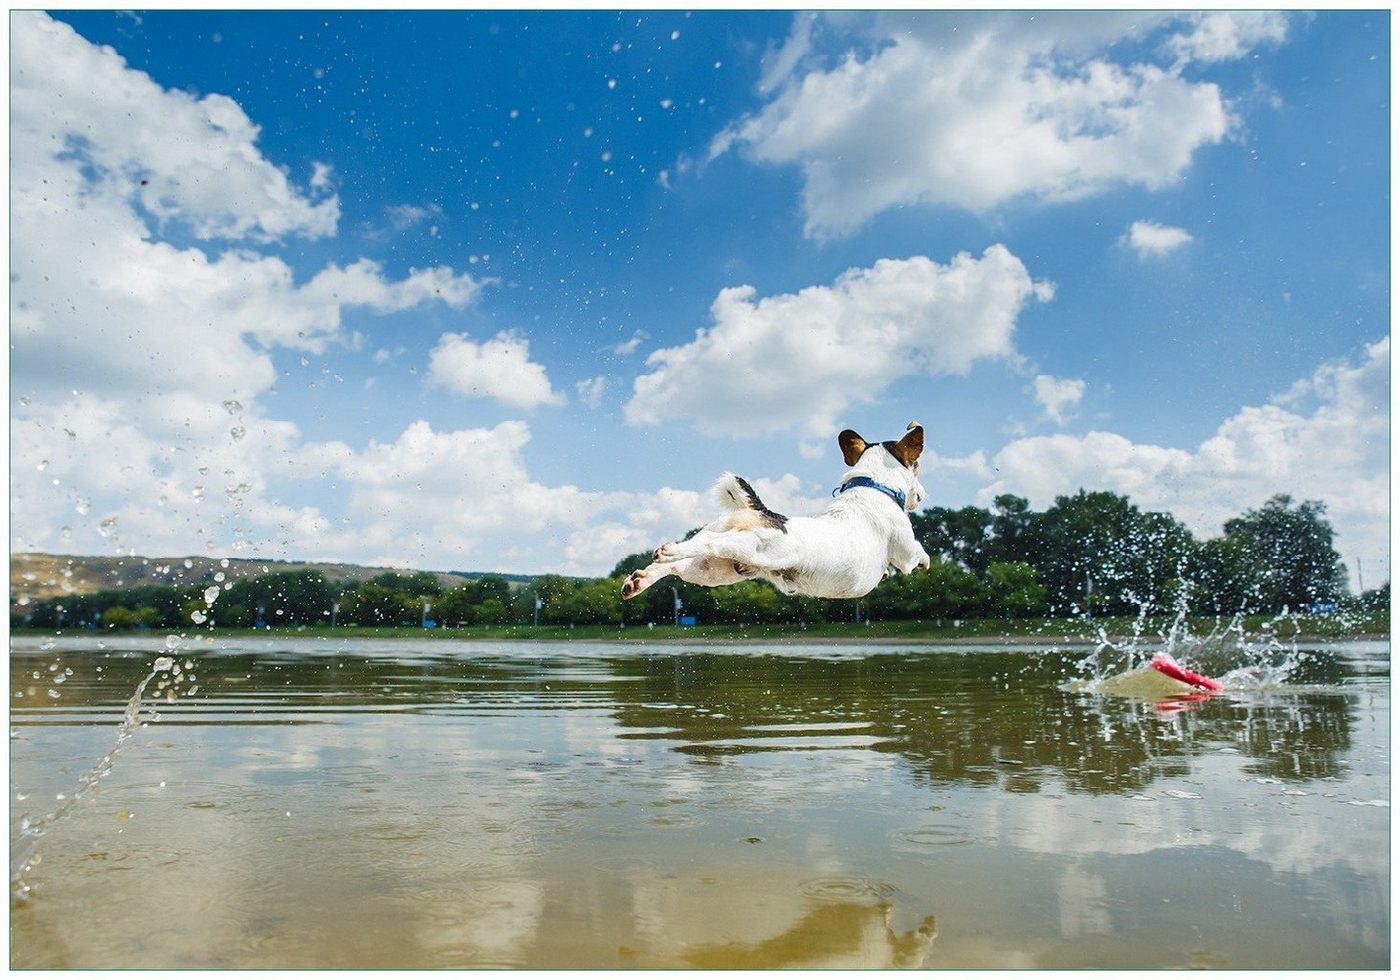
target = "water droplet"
x: 233, y: 406
x: 83, y: 505
x: 165, y: 663
x: 237, y: 432
x: 43, y: 464
x: 210, y: 594
x: 197, y: 493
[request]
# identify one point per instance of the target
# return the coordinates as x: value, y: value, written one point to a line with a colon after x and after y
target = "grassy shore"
x: 1375, y: 625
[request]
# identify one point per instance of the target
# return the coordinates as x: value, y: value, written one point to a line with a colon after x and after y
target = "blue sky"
x: 507, y: 291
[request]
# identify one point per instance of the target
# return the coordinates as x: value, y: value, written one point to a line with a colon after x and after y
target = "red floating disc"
x: 1171, y: 668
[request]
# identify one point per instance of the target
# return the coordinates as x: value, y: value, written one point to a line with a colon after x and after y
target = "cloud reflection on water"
x: 360, y: 803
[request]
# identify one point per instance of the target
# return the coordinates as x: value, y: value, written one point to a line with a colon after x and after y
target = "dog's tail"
x: 739, y: 497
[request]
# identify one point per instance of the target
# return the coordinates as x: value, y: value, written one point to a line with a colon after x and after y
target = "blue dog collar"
x: 864, y: 481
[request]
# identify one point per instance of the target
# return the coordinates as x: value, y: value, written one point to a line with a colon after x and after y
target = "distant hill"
x: 41, y: 576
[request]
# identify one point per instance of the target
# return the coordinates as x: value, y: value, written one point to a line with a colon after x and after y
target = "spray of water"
x: 1241, y: 661
x: 168, y: 674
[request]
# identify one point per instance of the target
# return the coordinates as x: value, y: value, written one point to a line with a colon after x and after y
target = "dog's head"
x: 892, y: 463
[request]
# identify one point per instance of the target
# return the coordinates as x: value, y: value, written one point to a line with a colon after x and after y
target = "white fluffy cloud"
x: 188, y: 161
x: 1220, y: 35
x: 1151, y: 240
x: 1057, y: 395
x: 465, y: 499
x: 140, y: 368
x: 1327, y: 438
x: 974, y: 110
x: 498, y: 368
x: 800, y: 360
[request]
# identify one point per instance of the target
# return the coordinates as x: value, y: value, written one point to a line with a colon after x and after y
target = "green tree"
x: 591, y: 602
x: 1222, y: 577
x: 748, y: 602
x: 490, y: 587
x: 1096, y: 551
x: 555, y: 593
x: 946, y: 589
x: 457, y: 606
x: 1014, y: 589
x: 373, y: 604
x: 963, y: 536
x: 1292, y: 562
x: 302, y: 596
x: 119, y: 618
x: 1011, y: 521
x: 493, y: 612
x: 410, y: 583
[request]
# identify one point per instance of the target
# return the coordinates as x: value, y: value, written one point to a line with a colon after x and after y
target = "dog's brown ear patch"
x: 911, y: 447
x: 852, y: 445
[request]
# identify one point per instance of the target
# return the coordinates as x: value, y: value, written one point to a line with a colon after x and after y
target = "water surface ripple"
x: 324, y: 803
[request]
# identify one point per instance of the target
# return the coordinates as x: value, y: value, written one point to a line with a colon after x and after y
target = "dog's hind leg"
x: 745, y: 546
x: 644, y: 578
x: 702, y: 570
x: 710, y: 571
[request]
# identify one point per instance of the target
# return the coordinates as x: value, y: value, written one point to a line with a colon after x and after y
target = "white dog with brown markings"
x: 841, y: 554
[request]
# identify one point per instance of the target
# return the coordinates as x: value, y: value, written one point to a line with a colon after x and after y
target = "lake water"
x: 398, y: 803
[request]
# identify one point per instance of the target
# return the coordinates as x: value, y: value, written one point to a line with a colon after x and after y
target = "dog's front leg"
x: 919, y: 559
x: 906, y: 554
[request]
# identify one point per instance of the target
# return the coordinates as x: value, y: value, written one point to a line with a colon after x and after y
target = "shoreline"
x: 641, y: 636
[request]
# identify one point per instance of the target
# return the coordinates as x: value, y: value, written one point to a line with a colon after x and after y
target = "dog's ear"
x: 852, y: 445
x: 911, y: 447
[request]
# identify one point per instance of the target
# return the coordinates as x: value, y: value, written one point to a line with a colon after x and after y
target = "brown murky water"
x: 366, y: 803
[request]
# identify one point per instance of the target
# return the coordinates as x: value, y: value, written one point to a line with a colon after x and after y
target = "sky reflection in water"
x: 363, y: 803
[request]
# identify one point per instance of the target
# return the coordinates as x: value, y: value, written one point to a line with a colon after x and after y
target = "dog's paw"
x: 924, y: 563
x: 634, y: 583
x: 667, y: 552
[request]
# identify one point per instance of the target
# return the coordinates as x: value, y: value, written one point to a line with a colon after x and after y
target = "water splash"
x: 1240, y: 661
x: 25, y: 857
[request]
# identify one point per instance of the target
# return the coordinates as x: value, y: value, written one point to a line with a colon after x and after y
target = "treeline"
x: 1094, y: 553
